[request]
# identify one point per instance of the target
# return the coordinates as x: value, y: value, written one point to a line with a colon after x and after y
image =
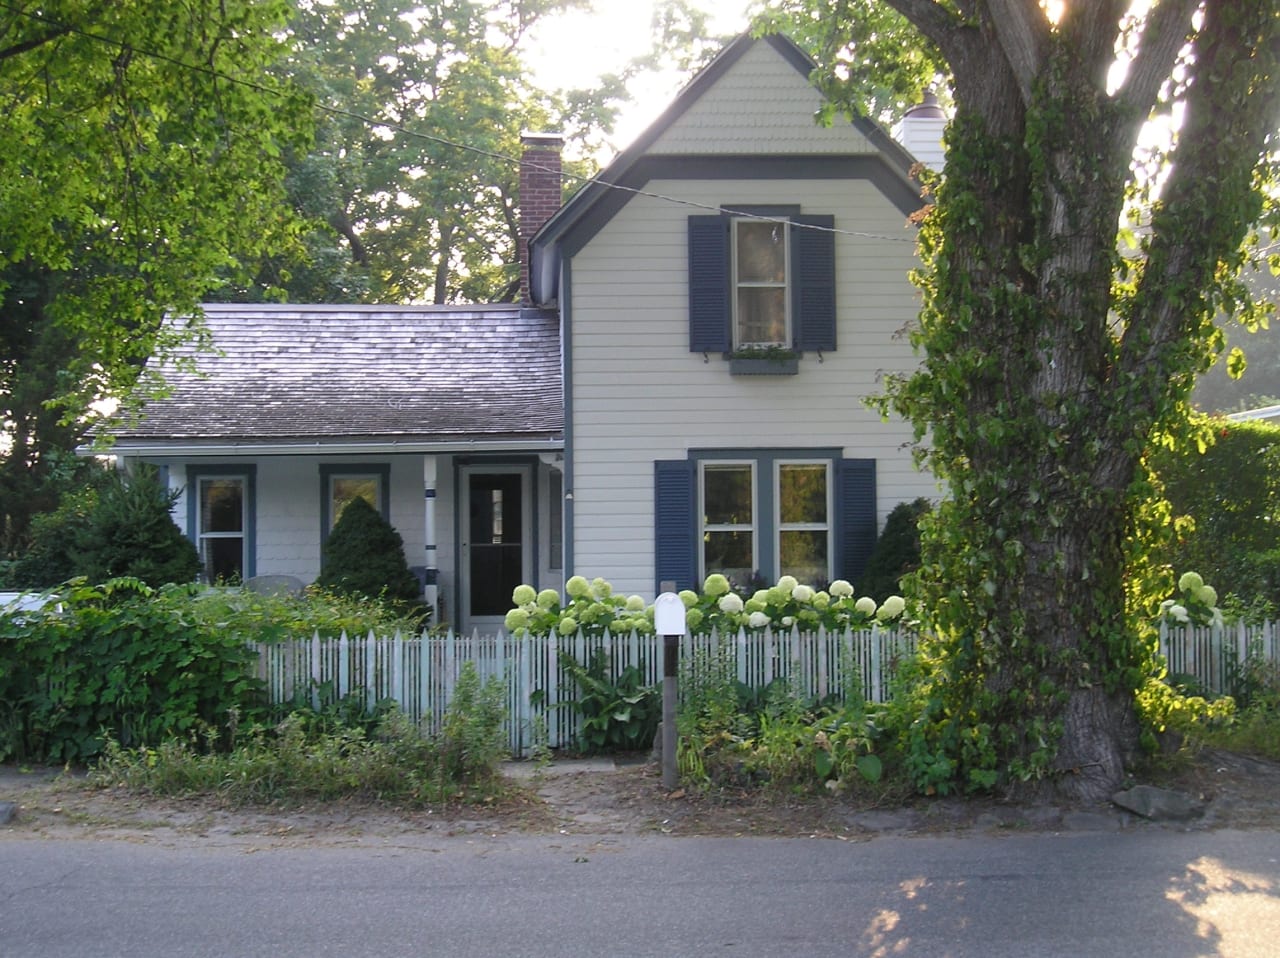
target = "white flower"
x: 1190, y: 581
x: 568, y: 625
x: 1179, y: 614
x: 891, y: 608
x: 548, y: 598
x: 523, y: 595
x: 788, y: 621
x: 731, y: 603
x: 866, y: 605
x: 757, y: 620
x: 577, y: 587
x: 802, y: 593
x: 715, y: 585
x: 634, y: 603
x: 517, y: 619
x: 840, y: 589
x: 787, y: 583
x: 1207, y: 594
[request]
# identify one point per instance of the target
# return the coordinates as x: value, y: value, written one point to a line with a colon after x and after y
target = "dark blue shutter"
x: 675, y: 524
x: 856, y: 523
x: 709, y: 284
x: 813, y: 276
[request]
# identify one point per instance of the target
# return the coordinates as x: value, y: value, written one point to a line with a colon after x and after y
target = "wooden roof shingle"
x: 329, y: 375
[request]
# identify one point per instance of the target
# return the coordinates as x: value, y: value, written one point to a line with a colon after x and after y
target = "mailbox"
x: 668, y: 614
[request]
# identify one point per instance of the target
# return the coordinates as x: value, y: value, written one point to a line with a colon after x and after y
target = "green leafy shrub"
x: 619, y: 713
x: 364, y: 556
x: 298, y: 761
x: 49, y: 557
x: 129, y: 532
x: 897, y: 550
x: 116, y: 660
x: 1225, y: 499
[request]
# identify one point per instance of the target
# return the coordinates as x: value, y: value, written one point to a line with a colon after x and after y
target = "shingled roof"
x: 471, y: 377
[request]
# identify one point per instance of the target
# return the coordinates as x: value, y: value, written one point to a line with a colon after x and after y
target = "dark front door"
x: 495, y: 543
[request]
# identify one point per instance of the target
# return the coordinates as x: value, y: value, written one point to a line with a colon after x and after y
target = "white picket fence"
x: 1212, y: 654
x: 419, y: 673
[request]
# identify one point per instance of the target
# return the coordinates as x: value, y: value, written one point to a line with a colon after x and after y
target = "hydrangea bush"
x: 1196, y: 603
x: 594, y: 607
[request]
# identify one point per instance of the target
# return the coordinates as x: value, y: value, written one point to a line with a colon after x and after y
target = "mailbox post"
x: 669, y: 622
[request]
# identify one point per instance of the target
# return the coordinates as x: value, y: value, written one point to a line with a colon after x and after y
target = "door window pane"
x: 496, y: 524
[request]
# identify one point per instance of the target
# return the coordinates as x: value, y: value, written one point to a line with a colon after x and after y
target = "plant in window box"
x: 764, y: 361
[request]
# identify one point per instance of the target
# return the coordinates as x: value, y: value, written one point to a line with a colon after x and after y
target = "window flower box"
x: 764, y: 363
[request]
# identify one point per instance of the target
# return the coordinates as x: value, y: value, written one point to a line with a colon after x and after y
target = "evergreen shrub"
x: 896, y: 552
x: 364, y: 556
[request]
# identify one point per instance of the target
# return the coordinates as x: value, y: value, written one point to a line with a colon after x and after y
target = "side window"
x: 342, y: 484
x: 343, y: 490
x: 221, y: 524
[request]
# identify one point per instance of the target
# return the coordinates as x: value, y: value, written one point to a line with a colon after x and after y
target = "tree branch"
x: 26, y: 46
x: 1022, y: 30
x: 1091, y: 28
x: 1209, y: 201
x: 1163, y: 37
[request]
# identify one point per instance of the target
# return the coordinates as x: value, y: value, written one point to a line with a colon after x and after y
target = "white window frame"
x: 243, y: 534
x: 779, y: 527
x: 736, y: 284
x: 705, y: 527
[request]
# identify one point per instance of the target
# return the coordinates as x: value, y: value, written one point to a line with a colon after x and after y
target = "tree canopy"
x: 1072, y: 269
x: 141, y: 164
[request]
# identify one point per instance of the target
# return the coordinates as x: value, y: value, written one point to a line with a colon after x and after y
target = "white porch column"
x: 432, y: 592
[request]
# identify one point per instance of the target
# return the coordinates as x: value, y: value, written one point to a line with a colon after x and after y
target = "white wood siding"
x: 639, y: 395
x: 761, y: 104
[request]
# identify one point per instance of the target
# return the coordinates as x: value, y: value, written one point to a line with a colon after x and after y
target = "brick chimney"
x: 539, y: 193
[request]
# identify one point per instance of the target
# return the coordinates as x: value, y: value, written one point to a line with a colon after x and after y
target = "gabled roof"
x: 366, y: 378
x: 566, y: 231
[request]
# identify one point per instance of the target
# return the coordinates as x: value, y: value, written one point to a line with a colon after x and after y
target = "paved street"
x: 1142, y: 893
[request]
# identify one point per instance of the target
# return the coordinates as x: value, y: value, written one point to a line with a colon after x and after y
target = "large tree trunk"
x: 1041, y: 385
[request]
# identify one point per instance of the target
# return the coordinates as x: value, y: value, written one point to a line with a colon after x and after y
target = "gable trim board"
x: 887, y: 165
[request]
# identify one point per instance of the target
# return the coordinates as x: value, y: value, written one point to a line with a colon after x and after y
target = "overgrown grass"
x: 300, y: 760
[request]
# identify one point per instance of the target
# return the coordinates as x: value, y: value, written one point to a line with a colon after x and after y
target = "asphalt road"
x: 1152, y: 892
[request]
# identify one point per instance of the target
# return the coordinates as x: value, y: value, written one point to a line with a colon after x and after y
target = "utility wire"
x: 430, y: 137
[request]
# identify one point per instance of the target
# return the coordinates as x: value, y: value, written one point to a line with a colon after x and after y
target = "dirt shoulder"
x: 608, y: 797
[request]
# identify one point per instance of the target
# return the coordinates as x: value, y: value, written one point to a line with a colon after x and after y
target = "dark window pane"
x: 222, y: 505
x: 727, y: 495
x: 762, y: 252
x: 348, y: 488
x: 762, y: 315
x: 728, y: 553
x: 223, y: 559
x: 804, y: 555
x: 803, y: 493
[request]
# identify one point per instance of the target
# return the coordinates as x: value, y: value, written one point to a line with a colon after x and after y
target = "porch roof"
x: 281, y: 377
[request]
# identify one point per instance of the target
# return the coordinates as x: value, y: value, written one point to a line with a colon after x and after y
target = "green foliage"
x: 471, y: 740
x: 254, y: 617
x: 897, y: 550
x: 296, y: 761
x: 364, y: 556
x: 1225, y: 499
x: 49, y: 554
x: 142, y: 160
x: 618, y: 713
x: 130, y: 533
x: 117, y: 660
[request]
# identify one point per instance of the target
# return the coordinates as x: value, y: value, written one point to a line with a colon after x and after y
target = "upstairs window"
x: 761, y: 315
x: 762, y: 281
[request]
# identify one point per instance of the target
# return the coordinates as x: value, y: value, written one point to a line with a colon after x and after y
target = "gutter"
x: 318, y: 447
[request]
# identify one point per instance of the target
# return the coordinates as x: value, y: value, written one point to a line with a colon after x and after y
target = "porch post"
x: 432, y: 591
